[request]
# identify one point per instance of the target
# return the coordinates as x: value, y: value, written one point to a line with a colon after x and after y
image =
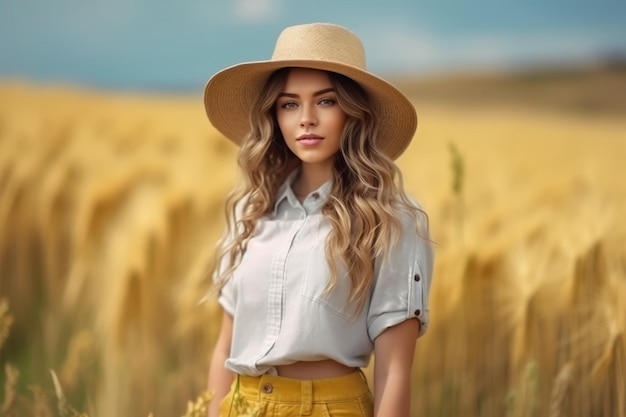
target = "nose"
x: 308, y: 116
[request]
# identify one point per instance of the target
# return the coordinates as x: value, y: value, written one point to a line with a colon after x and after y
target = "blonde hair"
x: 364, y: 200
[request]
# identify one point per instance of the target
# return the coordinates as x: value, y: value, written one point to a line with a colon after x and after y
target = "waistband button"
x: 268, y: 388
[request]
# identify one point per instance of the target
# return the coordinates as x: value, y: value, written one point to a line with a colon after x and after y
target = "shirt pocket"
x: 316, y: 279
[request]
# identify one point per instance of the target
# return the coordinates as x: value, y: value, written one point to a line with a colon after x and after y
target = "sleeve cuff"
x: 385, y: 321
x: 226, y: 304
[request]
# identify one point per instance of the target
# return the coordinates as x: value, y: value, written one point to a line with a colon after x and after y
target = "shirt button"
x: 418, y: 312
x: 417, y: 277
x: 315, y: 195
x: 268, y: 388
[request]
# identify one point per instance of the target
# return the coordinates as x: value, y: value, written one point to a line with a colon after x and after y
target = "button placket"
x: 276, y: 293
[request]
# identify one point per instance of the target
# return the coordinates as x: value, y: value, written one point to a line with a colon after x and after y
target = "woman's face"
x: 309, y: 116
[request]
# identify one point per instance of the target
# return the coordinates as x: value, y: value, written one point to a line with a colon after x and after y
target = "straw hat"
x: 230, y: 94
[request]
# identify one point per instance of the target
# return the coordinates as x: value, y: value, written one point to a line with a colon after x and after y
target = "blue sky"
x: 159, y: 44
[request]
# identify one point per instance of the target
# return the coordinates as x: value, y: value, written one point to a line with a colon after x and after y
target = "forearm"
x: 393, y: 353
x: 220, y: 380
x: 392, y: 393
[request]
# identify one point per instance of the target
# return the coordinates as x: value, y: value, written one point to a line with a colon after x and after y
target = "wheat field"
x: 110, y: 205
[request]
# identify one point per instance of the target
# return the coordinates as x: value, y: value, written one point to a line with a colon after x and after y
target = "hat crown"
x: 320, y: 42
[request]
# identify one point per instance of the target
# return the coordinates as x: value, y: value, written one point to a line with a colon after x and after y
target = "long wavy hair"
x: 364, y: 200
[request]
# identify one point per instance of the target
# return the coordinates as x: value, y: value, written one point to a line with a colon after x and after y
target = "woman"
x: 325, y: 260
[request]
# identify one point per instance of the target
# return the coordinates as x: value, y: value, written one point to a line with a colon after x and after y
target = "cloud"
x: 397, y: 48
x: 518, y: 48
x: 256, y: 11
x: 401, y: 48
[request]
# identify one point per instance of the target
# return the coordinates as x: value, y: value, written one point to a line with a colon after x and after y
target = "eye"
x: 288, y: 105
x: 327, y: 102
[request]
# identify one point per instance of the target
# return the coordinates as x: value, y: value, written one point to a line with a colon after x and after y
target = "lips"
x: 309, y: 136
x: 309, y: 139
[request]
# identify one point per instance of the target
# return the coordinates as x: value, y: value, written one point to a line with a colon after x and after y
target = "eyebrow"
x: 317, y: 93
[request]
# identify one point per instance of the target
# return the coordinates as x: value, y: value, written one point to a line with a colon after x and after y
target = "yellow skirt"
x: 267, y: 395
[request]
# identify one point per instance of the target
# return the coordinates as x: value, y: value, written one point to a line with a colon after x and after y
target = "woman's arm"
x: 393, y: 360
x: 220, y: 378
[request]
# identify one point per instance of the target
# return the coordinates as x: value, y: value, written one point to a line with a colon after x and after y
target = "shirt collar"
x: 315, y: 200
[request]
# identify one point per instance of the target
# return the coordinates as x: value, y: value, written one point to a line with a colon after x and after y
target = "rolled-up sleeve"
x: 227, y: 297
x: 402, y: 280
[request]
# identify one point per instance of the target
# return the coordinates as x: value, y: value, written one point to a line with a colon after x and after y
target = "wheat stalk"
x: 6, y: 320
x: 10, y: 391
x: 65, y: 409
x: 561, y: 385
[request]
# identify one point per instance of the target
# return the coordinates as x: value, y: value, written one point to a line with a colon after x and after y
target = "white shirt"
x: 275, y: 295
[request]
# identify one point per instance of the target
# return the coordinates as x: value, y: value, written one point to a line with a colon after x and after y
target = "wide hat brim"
x: 230, y: 94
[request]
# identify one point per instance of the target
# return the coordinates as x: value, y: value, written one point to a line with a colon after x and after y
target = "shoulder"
x: 411, y: 242
x: 412, y: 218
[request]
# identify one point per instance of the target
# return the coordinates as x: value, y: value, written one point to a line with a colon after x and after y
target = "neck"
x: 311, y: 177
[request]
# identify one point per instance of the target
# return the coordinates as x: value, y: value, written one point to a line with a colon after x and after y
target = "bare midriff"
x: 314, y: 370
